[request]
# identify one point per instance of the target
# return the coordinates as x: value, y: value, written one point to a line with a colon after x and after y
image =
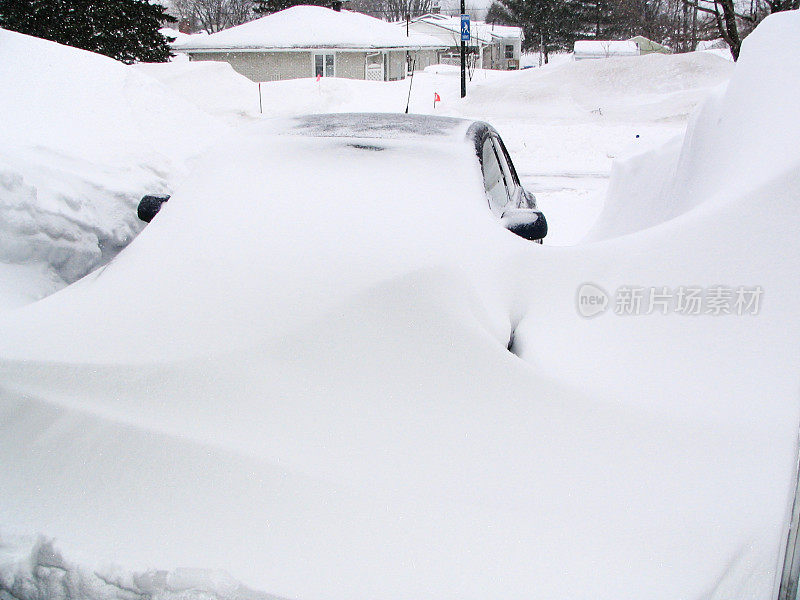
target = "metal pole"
x: 463, y: 60
x: 411, y: 83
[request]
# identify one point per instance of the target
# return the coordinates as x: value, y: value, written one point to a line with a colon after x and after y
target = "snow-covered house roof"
x: 605, y: 48
x: 480, y: 31
x: 310, y: 27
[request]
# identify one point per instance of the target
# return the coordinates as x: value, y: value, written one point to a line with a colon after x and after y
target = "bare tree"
x: 213, y: 15
x: 391, y: 10
x: 397, y: 10
x: 734, y: 23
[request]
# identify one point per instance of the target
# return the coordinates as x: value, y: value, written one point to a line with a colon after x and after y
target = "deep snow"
x: 84, y: 137
x: 316, y: 396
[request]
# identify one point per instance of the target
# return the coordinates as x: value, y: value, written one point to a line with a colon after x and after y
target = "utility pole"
x: 463, y: 54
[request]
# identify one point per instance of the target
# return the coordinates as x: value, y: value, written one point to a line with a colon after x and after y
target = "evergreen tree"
x: 127, y: 30
x: 600, y: 20
x: 549, y: 25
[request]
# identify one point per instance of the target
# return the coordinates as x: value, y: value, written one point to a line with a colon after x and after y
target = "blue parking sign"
x: 465, y: 28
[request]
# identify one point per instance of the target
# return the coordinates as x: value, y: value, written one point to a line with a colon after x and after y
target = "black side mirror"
x: 526, y: 223
x: 150, y: 205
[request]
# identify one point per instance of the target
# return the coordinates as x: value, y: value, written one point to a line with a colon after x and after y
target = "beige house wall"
x: 273, y: 66
x: 425, y: 58
x: 351, y: 65
x: 396, y: 65
x: 263, y: 66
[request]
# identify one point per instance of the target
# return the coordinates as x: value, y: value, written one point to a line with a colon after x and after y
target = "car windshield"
x: 377, y: 126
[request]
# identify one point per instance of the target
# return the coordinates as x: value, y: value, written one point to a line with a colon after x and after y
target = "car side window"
x: 494, y: 180
x: 502, y: 156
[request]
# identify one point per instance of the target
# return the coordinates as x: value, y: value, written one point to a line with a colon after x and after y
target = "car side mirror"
x: 150, y: 205
x: 526, y: 223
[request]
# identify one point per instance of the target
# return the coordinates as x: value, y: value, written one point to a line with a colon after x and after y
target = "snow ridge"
x: 43, y: 572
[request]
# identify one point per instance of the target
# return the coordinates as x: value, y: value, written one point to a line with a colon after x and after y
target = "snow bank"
x: 651, y: 87
x: 210, y: 85
x: 84, y: 137
x: 37, y: 569
x: 307, y: 96
x: 733, y: 146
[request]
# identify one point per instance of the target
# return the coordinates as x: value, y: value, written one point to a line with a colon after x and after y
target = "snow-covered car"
x: 505, y: 196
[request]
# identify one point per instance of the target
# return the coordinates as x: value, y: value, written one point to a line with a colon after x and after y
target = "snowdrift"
x: 84, y: 137
x: 650, y: 87
x: 37, y: 568
x: 212, y: 86
x: 315, y: 393
x: 734, y: 145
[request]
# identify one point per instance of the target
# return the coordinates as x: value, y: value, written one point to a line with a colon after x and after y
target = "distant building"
x: 636, y: 46
x: 477, y: 9
x: 312, y: 41
x: 647, y: 46
x: 494, y: 46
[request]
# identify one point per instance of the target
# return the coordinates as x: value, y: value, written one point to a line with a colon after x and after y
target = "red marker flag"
x: 319, y: 77
x: 436, y: 99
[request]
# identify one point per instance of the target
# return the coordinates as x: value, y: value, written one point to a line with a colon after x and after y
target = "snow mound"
x: 211, y: 85
x: 330, y: 94
x: 652, y: 87
x: 84, y: 137
x: 733, y: 144
x: 34, y: 570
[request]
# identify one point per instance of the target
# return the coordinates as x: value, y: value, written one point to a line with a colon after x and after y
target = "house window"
x: 509, y: 51
x: 323, y: 65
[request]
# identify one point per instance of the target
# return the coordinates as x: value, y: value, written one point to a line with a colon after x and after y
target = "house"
x: 493, y: 46
x: 636, y: 46
x: 312, y: 41
x: 647, y: 46
x: 478, y: 9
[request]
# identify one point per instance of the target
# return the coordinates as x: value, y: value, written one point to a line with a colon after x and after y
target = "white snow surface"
x: 211, y: 85
x: 310, y: 27
x: 84, y: 138
x: 654, y: 87
x: 308, y: 387
x: 36, y: 568
x: 605, y: 48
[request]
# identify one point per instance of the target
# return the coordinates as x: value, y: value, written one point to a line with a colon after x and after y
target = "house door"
x: 374, y: 69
